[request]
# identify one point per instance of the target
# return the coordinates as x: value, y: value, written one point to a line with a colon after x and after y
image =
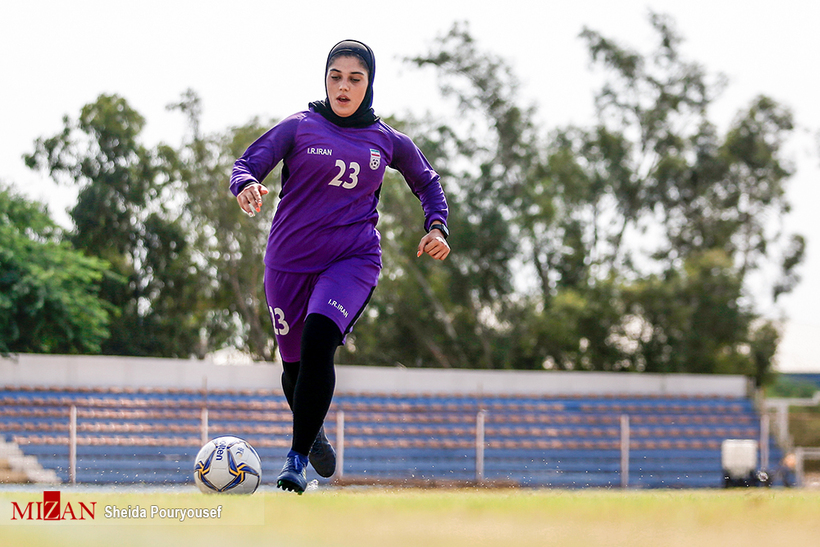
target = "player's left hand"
x: 434, y: 244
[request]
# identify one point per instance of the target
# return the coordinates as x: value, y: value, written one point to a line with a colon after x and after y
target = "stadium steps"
x: 17, y: 467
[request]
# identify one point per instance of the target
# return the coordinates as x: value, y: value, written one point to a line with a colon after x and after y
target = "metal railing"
x: 142, y: 423
x: 480, y: 444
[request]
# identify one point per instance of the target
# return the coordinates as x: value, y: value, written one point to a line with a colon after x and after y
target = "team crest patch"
x: 375, y: 159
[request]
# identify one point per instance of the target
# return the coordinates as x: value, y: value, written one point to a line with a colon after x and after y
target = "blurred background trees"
x: 49, y: 292
x: 626, y: 245
x: 623, y: 246
x: 185, y: 274
x: 125, y: 215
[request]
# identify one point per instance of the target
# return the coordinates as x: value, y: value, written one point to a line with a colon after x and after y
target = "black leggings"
x: 308, y: 384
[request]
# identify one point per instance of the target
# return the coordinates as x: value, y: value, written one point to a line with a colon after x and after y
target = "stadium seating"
x: 152, y: 435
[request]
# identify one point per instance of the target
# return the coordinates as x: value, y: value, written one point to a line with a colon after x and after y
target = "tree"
x: 229, y: 246
x: 126, y: 214
x: 625, y: 245
x: 448, y: 314
x: 639, y: 232
x: 659, y: 162
x: 48, y: 291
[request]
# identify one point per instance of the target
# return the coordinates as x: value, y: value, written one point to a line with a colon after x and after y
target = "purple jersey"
x: 330, y: 180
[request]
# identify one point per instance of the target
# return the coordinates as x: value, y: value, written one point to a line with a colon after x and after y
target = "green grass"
x: 362, y: 517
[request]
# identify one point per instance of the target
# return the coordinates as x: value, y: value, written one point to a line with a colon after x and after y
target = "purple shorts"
x: 341, y: 293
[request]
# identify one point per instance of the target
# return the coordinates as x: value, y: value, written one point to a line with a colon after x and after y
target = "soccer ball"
x: 228, y: 465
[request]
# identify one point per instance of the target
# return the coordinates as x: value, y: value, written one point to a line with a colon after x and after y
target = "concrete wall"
x: 100, y: 371
x: 537, y: 382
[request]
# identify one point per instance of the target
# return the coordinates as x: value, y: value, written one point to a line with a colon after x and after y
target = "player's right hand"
x: 250, y: 198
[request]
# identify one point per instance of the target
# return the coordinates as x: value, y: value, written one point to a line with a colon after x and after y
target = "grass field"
x: 399, y: 517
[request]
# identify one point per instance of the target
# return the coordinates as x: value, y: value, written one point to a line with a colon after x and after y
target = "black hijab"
x: 364, y: 115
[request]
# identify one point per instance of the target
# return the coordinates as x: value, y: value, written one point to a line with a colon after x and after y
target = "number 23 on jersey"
x: 352, y: 172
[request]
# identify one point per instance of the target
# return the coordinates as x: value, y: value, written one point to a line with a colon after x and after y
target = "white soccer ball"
x: 227, y: 465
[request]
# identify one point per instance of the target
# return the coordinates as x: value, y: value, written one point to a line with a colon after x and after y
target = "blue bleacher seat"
x: 152, y: 435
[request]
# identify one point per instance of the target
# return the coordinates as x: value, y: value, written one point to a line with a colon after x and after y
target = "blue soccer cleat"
x: 292, y: 477
x: 322, y: 456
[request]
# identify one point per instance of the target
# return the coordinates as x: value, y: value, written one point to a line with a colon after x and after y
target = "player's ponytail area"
x: 379, y: 516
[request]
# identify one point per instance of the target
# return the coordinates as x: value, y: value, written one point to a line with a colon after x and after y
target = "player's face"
x: 346, y: 85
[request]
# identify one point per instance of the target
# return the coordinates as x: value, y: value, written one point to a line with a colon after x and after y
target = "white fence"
x: 340, y: 445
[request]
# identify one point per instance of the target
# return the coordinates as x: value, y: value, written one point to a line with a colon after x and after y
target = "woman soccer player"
x: 323, y: 256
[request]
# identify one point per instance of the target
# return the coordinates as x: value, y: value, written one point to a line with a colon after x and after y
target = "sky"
x: 249, y: 58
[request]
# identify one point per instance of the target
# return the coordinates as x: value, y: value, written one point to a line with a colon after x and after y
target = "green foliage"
x: 452, y: 314
x: 126, y: 214
x: 622, y: 246
x: 185, y: 265
x: 48, y: 291
x: 228, y: 244
x: 785, y: 386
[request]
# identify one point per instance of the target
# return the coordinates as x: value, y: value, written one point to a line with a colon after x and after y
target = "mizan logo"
x: 52, y: 509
